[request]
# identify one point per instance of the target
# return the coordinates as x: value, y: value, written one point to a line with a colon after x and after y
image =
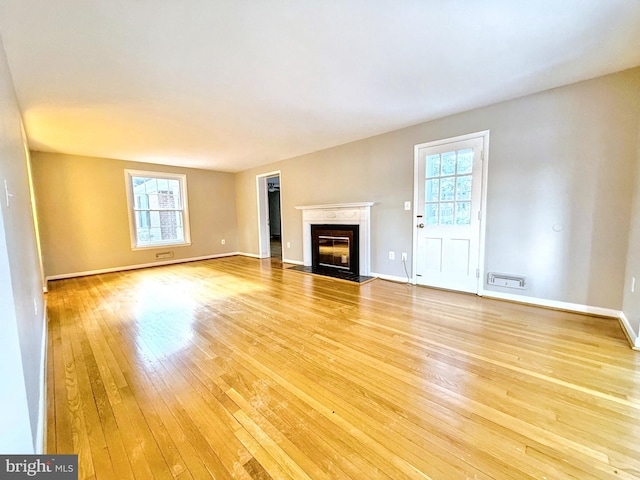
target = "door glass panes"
x: 448, y: 188
x: 446, y: 213
x: 463, y: 187
x: 431, y: 214
x: 448, y: 163
x: 432, y: 190
x: 433, y: 166
x: 463, y: 213
x: 465, y: 161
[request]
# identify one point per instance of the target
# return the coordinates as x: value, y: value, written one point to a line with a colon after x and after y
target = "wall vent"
x: 506, y: 280
x: 168, y: 254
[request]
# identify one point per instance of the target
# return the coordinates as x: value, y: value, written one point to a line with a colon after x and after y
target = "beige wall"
x: 84, y: 223
x: 560, y: 157
x: 21, y: 298
x: 631, y: 302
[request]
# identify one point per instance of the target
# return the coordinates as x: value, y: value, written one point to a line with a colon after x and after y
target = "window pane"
x: 449, y: 163
x: 463, y: 213
x: 431, y: 214
x: 463, y: 187
x: 446, y: 214
x: 447, y: 188
x: 465, y: 161
x: 143, y: 235
x: 142, y: 201
x: 167, y: 200
x: 433, y: 166
x: 174, y: 186
x: 155, y: 234
x: 150, y: 185
x: 153, y: 201
x: 432, y: 190
x: 163, y: 184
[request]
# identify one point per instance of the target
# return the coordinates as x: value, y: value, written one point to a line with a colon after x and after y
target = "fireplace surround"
x: 343, y: 214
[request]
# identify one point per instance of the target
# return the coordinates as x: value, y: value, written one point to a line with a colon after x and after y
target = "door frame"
x: 264, y: 235
x: 484, y: 134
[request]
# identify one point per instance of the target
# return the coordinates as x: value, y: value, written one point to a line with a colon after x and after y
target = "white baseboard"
x: 41, y: 433
x: 543, y: 302
x: 294, y: 262
x: 138, y: 266
x: 391, y: 278
x: 634, y: 339
x: 252, y: 255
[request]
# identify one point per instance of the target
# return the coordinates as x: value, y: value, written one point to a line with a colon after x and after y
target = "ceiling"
x: 232, y: 84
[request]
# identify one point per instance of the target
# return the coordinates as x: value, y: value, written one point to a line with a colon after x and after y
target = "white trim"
x: 543, y: 302
x: 634, y: 339
x: 41, y: 432
x: 484, y: 134
x: 262, y: 198
x: 391, y: 278
x: 483, y: 209
x: 335, y: 205
x: 141, y: 265
x: 295, y: 262
x: 252, y: 255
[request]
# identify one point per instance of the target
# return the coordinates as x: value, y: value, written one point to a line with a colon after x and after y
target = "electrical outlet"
x: 288, y: 244
x: 223, y: 241
x: 392, y: 255
x: 404, y: 256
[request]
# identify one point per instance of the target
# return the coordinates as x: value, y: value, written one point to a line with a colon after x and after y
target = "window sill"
x: 160, y: 245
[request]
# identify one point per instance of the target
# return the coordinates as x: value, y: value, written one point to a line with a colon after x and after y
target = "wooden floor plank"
x: 238, y: 368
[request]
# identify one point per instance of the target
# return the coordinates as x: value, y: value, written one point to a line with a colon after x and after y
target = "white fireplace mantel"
x: 339, y: 214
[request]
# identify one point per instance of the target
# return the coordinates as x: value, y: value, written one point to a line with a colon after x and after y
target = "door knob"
x: 421, y: 225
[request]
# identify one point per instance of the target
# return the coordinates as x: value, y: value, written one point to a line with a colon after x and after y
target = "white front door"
x: 448, y: 205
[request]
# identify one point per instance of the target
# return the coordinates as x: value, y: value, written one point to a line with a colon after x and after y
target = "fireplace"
x: 343, y: 220
x: 335, y: 248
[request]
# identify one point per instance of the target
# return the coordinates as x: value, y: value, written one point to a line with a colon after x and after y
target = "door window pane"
x: 446, y: 213
x: 431, y: 213
x: 432, y: 190
x: 449, y: 163
x: 447, y: 188
x: 463, y: 187
x: 463, y: 213
x: 433, y: 166
x: 465, y: 161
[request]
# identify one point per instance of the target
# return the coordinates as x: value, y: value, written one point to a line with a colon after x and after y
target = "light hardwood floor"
x: 232, y: 368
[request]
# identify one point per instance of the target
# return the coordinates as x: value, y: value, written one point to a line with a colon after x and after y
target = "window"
x: 448, y: 188
x: 158, y: 213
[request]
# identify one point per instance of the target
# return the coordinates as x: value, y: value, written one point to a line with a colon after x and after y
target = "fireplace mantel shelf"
x: 335, y: 205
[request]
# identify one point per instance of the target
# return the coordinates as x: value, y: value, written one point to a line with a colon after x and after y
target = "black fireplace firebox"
x: 335, y: 248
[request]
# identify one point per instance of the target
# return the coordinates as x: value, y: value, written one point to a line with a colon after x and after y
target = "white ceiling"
x: 231, y: 84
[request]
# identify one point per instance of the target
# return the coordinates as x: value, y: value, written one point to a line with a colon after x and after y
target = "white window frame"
x: 128, y: 175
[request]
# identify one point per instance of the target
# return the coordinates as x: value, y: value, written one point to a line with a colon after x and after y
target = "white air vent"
x: 506, y: 280
x: 168, y: 254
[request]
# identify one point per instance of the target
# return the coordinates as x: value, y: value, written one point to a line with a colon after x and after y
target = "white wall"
x: 560, y: 158
x: 22, y: 320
